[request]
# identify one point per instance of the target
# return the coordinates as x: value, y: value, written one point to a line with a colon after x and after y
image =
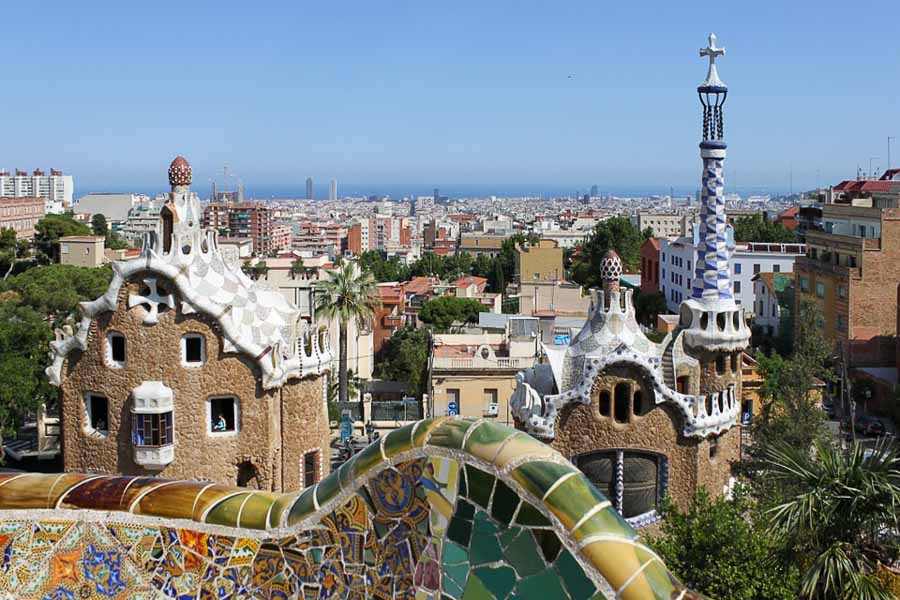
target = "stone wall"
x: 153, y: 353
x: 581, y: 429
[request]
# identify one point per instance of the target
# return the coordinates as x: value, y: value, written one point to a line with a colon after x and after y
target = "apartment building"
x: 678, y: 259
x: 852, y: 269
x: 55, y: 189
x: 650, y: 266
x: 251, y: 220
x: 21, y: 214
x: 81, y: 250
x: 539, y: 262
x: 664, y: 224
x: 474, y: 375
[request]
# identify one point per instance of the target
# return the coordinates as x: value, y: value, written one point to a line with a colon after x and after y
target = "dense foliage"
x: 617, y: 233
x: 790, y: 413
x: 441, y: 313
x: 24, y: 347
x: 48, y: 231
x: 756, y: 228
x: 56, y: 290
x: 404, y: 357
x: 718, y: 551
x: 14, y: 253
x: 839, y: 518
x: 648, y: 306
x: 499, y: 270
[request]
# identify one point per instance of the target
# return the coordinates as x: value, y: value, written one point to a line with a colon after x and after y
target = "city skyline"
x: 557, y: 97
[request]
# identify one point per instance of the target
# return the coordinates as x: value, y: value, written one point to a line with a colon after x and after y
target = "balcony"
x: 393, y: 321
x: 484, y: 364
x: 806, y: 264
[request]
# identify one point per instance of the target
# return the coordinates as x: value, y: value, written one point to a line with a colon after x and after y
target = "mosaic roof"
x: 255, y: 320
x: 612, y: 337
x: 443, y: 508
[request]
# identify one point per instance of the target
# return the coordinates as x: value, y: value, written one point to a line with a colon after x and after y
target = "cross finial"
x: 712, y: 51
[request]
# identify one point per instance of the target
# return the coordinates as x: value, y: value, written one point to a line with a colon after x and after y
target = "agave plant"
x: 842, y: 517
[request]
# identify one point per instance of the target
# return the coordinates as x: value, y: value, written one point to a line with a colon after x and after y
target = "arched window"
x: 167, y: 227
x: 622, y: 399
x: 720, y: 365
x: 605, y: 401
x: 641, y: 407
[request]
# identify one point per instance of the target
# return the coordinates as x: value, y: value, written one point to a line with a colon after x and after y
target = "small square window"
x: 820, y: 289
x: 737, y: 268
x: 97, y: 408
x: 776, y: 268
x: 223, y: 415
x: 756, y: 269
x: 842, y: 291
x: 737, y: 287
x: 193, y: 349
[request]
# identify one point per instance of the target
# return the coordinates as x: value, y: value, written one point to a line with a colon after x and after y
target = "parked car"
x: 869, y: 426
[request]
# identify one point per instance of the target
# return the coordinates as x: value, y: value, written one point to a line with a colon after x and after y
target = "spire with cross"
x: 712, y: 278
x: 712, y: 51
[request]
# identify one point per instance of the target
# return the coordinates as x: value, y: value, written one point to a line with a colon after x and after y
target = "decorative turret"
x: 711, y: 317
x: 179, y: 173
x: 610, y: 272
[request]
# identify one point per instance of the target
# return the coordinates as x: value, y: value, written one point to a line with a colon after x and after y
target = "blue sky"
x: 562, y: 93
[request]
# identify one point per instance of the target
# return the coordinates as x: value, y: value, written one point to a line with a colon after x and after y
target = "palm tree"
x: 346, y: 294
x: 839, y: 515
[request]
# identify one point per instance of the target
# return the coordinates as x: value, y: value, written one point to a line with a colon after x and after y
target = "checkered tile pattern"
x: 712, y: 279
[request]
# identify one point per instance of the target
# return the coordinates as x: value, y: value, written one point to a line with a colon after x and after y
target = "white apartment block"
x: 766, y: 308
x: 678, y: 257
x: 55, y: 188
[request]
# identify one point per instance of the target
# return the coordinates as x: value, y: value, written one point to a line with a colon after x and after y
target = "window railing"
x: 397, y: 410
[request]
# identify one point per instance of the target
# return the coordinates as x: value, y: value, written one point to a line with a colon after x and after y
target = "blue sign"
x: 561, y: 340
x: 346, y: 426
x: 452, y: 409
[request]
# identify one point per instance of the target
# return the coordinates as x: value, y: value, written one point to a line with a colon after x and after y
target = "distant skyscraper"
x: 594, y: 191
x: 332, y: 190
x: 437, y: 195
x: 309, y: 193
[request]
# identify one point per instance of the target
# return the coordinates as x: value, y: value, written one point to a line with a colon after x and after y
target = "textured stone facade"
x: 274, y: 427
x: 582, y: 430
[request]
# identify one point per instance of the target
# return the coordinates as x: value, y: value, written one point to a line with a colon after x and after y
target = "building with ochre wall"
x: 186, y: 368
x: 645, y: 420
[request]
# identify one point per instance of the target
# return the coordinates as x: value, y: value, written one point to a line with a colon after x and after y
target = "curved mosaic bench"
x: 443, y: 508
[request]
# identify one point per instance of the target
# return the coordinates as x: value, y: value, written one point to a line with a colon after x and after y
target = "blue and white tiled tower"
x: 712, y: 319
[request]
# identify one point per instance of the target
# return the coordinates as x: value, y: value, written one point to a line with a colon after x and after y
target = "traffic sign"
x: 452, y: 408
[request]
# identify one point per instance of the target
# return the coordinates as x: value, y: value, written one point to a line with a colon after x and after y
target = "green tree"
x: 346, y: 294
x: 56, y: 290
x: 443, y: 312
x: 383, y: 269
x: 404, y: 357
x: 48, y: 231
x: 717, y: 550
x: 839, y: 518
x: 617, y: 233
x: 756, y: 228
x: 24, y: 348
x: 12, y: 251
x: 99, y: 226
x: 648, y: 306
x: 789, y: 413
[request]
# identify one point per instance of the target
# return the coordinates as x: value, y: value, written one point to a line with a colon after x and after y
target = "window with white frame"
x: 193, y: 350
x: 115, y: 349
x: 223, y: 415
